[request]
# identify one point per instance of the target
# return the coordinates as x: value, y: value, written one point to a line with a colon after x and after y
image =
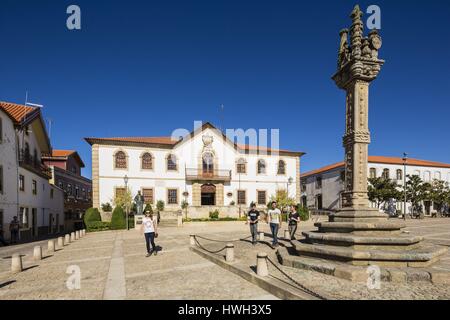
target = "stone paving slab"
x: 113, y: 266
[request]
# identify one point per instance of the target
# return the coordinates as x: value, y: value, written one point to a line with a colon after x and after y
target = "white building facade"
x: 205, y: 169
x: 321, y: 189
x: 25, y: 190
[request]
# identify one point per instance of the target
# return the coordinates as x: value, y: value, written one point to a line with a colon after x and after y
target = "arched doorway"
x: 208, y: 195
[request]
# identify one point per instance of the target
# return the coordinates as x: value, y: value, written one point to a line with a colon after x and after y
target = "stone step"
x: 417, y: 257
x: 346, y: 239
x: 348, y: 227
x: 368, y: 215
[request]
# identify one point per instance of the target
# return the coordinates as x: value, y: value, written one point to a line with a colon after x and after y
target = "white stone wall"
x: 12, y: 199
x: 8, y: 161
x: 188, y: 154
x: 332, y: 185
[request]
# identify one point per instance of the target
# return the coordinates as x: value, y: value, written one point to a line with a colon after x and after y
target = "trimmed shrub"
x: 148, y: 207
x: 106, y: 207
x: 303, y: 213
x: 118, y: 219
x: 214, y: 215
x: 96, y: 226
x: 160, y: 205
x: 92, y: 215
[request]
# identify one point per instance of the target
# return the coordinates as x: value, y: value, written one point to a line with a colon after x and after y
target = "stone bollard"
x: 261, y: 236
x: 192, y: 240
x: 261, y: 265
x: 287, y: 235
x: 77, y: 235
x: 51, y: 246
x: 67, y: 238
x: 16, y: 263
x: 229, y: 255
x: 37, y: 253
x: 72, y: 237
x: 61, y: 242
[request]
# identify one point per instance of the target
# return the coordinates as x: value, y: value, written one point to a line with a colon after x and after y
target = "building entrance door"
x: 34, y: 222
x: 208, y: 195
x: 50, y: 223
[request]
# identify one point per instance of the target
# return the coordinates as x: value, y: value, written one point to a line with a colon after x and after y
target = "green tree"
x: 381, y: 190
x: 282, y: 199
x: 118, y: 219
x: 439, y: 193
x: 416, y: 192
x: 124, y: 200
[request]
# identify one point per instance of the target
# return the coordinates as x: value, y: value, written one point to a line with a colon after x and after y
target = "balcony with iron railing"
x: 208, y: 175
x: 34, y: 164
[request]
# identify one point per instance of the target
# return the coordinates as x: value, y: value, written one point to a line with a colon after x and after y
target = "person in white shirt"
x: 274, y: 221
x: 149, y: 228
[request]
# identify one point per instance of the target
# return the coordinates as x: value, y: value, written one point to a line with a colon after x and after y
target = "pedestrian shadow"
x: 158, y: 248
x: 7, y: 283
x: 46, y: 257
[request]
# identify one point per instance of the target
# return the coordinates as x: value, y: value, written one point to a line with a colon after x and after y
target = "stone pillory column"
x: 358, y: 65
x: 358, y: 234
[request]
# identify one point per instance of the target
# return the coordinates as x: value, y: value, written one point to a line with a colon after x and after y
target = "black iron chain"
x: 302, y: 287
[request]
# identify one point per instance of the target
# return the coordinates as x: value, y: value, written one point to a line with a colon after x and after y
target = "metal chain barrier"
x: 203, y: 248
x: 302, y: 287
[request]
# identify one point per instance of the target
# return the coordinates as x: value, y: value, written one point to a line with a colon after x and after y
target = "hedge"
x: 97, y: 226
x: 92, y: 215
x: 118, y: 219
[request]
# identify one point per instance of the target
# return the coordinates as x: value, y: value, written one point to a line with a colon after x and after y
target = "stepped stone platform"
x: 367, y: 237
x: 351, y: 241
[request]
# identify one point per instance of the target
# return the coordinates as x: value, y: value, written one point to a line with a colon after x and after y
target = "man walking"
x: 253, y: 219
x: 274, y: 222
x: 14, y: 229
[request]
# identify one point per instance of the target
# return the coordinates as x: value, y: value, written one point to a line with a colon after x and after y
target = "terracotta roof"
x: 168, y: 142
x: 16, y: 112
x: 259, y: 148
x: 151, y: 140
x: 62, y: 153
x: 380, y: 159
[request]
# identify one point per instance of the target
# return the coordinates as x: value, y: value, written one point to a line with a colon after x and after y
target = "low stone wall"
x: 202, y: 212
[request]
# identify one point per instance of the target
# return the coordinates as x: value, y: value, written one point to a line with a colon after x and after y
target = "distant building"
x: 66, y: 167
x: 25, y: 190
x: 321, y: 189
x: 205, y: 168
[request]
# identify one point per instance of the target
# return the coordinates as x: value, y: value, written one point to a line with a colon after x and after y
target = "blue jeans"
x: 150, y: 238
x: 274, y: 229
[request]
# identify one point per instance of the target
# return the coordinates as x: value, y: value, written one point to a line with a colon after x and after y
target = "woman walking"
x: 149, y: 228
x: 274, y: 222
x: 294, y: 220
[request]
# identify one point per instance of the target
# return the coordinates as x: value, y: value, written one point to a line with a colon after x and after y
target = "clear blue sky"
x: 144, y: 68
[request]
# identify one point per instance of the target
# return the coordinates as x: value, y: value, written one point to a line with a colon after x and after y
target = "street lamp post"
x: 405, y: 158
x: 125, y: 179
